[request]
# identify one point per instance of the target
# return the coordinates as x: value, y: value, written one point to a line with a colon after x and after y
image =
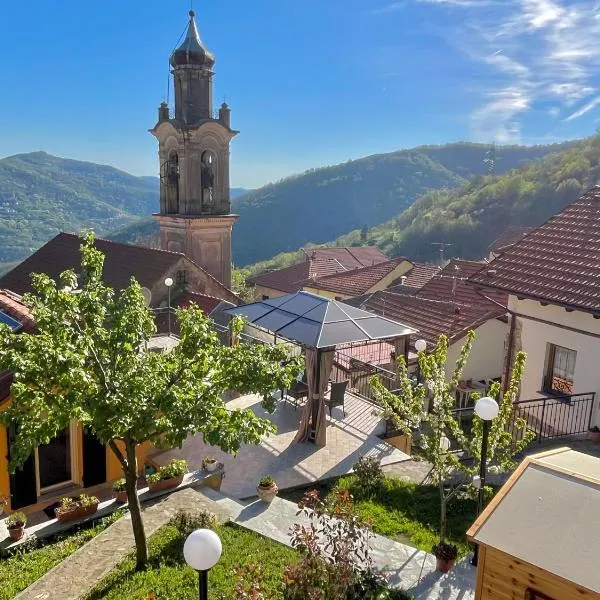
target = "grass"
x: 33, y: 559
x: 407, y: 512
x: 169, y: 578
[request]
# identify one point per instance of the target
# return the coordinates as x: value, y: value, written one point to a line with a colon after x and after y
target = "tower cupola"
x: 192, y: 51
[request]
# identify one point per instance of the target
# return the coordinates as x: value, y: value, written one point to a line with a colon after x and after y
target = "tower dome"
x: 192, y: 51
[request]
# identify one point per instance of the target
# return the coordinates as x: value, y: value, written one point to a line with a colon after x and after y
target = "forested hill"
x: 41, y: 195
x: 321, y: 204
x: 471, y: 217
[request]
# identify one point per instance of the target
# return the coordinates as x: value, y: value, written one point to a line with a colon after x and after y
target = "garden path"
x: 406, y: 567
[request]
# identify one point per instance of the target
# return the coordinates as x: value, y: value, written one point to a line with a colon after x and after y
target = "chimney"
x: 163, y: 112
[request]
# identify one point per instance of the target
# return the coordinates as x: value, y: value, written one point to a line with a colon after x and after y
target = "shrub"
x: 16, y: 519
x: 175, y: 468
x: 119, y: 485
x: 187, y: 521
x: 266, y: 481
x: 68, y: 503
x: 369, y: 476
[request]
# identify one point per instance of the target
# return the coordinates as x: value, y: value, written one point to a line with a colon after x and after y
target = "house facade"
x: 551, y: 276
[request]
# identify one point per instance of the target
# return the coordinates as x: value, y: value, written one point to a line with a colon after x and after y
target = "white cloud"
x: 538, y: 52
x: 584, y: 109
x: 392, y: 7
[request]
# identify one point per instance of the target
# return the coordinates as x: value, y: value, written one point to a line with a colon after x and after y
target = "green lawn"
x: 408, y: 512
x: 29, y: 563
x: 169, y: 578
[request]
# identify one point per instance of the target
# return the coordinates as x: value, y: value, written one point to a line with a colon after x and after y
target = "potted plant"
x: 3, y: 504
x: 120, y: 490
x: 167, y: 477
x: 594, y: 434
x: 267, y: 489
x: 72, y: 509
x: 445, y: 555
x: 15, y: 523
x: 210, y: 464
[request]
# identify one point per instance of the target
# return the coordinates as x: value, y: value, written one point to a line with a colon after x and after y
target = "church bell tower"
x: 193, y: 147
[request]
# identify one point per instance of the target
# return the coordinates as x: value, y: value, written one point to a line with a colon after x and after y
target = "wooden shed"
x: 539, y: 538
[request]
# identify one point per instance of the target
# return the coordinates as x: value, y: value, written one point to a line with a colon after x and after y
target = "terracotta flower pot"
x: 79, y: 512
x: 267, y: 494
x: 16, y: 532
x: 444, y: 564
x: 594, y: 436
x: 165, y: 484
x: 121, y: 497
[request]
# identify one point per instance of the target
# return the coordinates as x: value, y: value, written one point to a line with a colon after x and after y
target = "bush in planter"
x: 446, y: 555
x: 120, y: 490
x: 266, y: 482
x: 75, y: 508
x: 15, y: 523
x: 167, y: 476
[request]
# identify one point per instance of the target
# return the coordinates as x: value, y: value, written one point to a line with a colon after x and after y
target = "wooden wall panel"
x: 504, y: 577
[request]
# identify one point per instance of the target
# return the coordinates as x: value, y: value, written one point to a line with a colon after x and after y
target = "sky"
x: 310, y: 83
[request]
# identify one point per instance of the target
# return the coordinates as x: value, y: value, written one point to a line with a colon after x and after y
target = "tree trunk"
x: 442, y: 513
x: 141, y: 547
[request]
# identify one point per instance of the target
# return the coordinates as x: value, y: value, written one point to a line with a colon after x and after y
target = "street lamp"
x: 486, y: 409
x: 420, y: 346
x: 202, y: 550
x: 169, y: 283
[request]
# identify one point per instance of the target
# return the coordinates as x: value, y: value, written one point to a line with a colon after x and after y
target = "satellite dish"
x: 147, y: 296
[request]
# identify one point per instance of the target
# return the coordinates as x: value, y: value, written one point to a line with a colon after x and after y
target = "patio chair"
x: 337, y: 395
x: 297, y: 391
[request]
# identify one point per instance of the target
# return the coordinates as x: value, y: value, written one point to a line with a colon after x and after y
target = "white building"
x: 552, y: 276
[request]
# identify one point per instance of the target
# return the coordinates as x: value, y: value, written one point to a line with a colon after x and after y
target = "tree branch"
x: 113, y: 446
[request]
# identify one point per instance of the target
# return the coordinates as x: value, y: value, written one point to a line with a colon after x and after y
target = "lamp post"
x: 486, y: 409
x: 420, y: 346
x: 169, y: 283
x: 202, y: 550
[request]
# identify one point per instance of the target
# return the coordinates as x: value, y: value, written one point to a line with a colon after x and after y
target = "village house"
x: 552, y: 280
x: 448, y: 304
x: 539, y: 538
x: 342, y: 273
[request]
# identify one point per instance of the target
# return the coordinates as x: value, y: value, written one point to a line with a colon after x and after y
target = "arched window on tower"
x: 172, y: 183
x: 208, y: 181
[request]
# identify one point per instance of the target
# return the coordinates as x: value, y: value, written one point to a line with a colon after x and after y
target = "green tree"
x: 88, y: 362
x: 433, y: 428
x: 240, y: 286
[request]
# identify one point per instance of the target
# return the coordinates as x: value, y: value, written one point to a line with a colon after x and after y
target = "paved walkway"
x: 79, y: 573
x: 407, y: 568
x: 292, y: 465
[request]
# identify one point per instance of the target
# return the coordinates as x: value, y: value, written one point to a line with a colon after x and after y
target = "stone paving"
x: 78, y: 574
x: 292, y: 464
x: 406, y: 567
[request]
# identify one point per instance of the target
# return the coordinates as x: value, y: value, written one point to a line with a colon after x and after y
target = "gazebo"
x: 319, y: 324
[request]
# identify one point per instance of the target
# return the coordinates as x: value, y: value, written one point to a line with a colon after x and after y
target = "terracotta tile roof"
x: 416, y: 278
x: 451, y: 284
x: 558, y: 262
x: 12, y: 304
x: 357, y: 281
x: 320, y: 262
x: 206, y: 303
x: 508, y: 238
x: 122, y: 261
x: 431, y: 317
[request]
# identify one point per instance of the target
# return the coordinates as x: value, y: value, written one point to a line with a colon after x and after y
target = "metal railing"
x: 359, y: 374
x: 548, y: 418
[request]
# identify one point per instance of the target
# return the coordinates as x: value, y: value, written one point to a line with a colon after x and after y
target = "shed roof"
x: 318, y: 322
x: 547, y: 515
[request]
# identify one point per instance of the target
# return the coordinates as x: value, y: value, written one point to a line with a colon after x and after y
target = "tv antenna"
x: 443, y: 246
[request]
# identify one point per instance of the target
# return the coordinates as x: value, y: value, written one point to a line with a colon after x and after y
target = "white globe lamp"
x: 486, y: 408
x: 168, y: 281
x: 202, y: 550
x: 444, y: 444
x: 420, y: 345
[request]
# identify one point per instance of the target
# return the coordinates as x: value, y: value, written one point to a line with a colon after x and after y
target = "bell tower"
x: 193, y: 148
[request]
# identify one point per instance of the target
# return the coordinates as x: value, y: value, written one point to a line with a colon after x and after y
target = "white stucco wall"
x: 535, y: 336
x: 487, y: 353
